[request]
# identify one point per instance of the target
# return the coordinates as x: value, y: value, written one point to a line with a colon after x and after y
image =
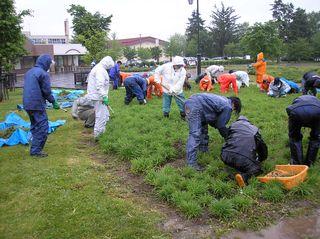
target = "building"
x: 66, y: 55
x: 145, y: 42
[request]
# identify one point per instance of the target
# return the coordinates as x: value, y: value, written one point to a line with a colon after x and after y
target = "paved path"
x: 59, y: 80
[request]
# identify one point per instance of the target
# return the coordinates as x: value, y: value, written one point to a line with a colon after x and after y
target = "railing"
x: 80, y: 79
x: 7, y: 82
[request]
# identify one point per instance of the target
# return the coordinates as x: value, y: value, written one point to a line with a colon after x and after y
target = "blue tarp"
x: 19, y: 135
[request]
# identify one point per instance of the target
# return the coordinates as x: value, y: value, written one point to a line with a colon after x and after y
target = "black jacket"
x: 244, y: 139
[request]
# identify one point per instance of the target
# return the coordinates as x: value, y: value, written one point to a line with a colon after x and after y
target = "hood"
x: 241, y: 117
x: 44, y: 61
x: 177, y: 60
x: 260, y: 56
x: 221, y: 68
x: 107, y: 62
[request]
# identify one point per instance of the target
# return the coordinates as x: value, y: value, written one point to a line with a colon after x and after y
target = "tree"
x: 156, y: 53
x: 176, y: 45
x: 300, y: 26
x: 192, y: 36
x: 315, y: 45
x: 223, y: 27
x: 87, y: 24
x: 299, y: 49
x: 282, y: 13
x: 129, y: 53
x: 91, y: 31
x: 144, y: 53
x: 314, y: 20
x: 233, y: 49
x: 11, y: 38
x: 263, y: 37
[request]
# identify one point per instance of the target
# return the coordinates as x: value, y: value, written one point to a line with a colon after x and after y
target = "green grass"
x: 67, y: 195
x: 141, y: 135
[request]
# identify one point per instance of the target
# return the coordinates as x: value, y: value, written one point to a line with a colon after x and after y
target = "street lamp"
x: 198, y: 42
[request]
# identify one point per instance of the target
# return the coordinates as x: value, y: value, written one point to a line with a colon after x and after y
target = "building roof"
x: 140, y: 40
x: 68, y: 49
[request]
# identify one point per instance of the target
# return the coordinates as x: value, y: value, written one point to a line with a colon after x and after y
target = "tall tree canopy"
x: 11, y: 38
x: 282, y: 13
x: 223, y: 27
x: 176, y: 45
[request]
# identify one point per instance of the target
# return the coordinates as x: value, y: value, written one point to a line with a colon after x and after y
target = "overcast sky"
x: 157, y: 18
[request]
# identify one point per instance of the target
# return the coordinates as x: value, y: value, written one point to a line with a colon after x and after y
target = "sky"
x: 156, y: 18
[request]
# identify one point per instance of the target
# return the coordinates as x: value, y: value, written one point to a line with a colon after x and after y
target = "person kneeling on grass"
x: 83, y: 109
x: 278, y: 88
x: 136, y: 86
x: 244, y: 150
x: 201, y: 110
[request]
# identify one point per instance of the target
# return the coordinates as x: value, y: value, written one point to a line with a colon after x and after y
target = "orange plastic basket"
x: 289, y: 175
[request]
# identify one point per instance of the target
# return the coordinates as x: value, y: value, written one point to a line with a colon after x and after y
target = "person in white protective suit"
x: 83, y: 109
x: 173, y: 77
x: 213, y: 72
x: 242, y: 78
x: 97, y: 91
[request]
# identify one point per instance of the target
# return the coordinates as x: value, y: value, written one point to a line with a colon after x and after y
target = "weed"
x: 223, y: 208
x: 222, y: 189
x: 273, y: 192
x: 242, y: 203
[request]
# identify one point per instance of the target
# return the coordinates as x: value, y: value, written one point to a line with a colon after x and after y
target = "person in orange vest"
x: 261, y: 67
x: 225, y: 80
x: 123, y: 76
x: 153, y: 86
x: 205, y: 84
x: 266, y: 80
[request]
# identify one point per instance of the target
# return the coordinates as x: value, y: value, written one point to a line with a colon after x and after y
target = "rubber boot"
x: 312, y: 152
x: 166, y: 114
x: 240, y: 181
x: 183, y: 115
x: 296, y: 152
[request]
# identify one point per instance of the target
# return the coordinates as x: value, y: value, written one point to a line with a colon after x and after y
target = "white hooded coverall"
x: 213, y: 71
x: 98, y: 87
x: 242, y: 78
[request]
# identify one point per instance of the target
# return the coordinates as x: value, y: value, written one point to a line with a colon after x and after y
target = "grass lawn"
x: 67, y: 195
x: 71, y: 194
x: 155, y: 146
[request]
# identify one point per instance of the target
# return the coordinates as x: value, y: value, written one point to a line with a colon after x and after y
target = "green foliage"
x: 156, y: 53
x: 223, y: 209
x: 263, y: 37
x: 176, y: 45
x: 242, y: 203
x: 233, y: 49
x: 91, y: 31
x: 144, y: 53
x: 11, y: 38
x: 222, y: 189
x: 273, y: 192
x: 223, y: 27
x: 129, y: 53
x: 299, y: 50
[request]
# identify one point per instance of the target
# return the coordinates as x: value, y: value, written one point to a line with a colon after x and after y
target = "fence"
x: 80, y: 79
x: 7, y: 82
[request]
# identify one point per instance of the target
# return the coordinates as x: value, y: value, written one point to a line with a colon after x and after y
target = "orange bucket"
x: 289, y: 175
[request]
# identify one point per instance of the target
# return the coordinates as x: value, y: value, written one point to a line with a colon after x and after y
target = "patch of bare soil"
x: 135, y: 189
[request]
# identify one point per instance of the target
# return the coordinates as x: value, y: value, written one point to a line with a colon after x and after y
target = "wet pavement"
x: 303, y: 227
x: 59, y: 80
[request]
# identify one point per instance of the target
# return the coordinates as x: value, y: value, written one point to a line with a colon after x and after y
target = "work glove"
x: 56, y: 105
x: 105, y: 100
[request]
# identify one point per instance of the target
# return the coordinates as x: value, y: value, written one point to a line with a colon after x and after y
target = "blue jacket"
x: 216, y: 110
x: 37, y: 87
x: 292, y: 84
x: 114, y: 72
x: 137, y: 80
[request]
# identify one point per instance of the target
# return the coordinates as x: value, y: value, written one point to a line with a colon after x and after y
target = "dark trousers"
x: 39, y: 130
x: 116, y: 81
x: 133, y: 90
x: 245, y: 166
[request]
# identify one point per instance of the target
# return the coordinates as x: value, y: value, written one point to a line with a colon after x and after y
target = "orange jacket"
x: 225, y: 80
x: 123, y: 76
x: 205, y: 84
x: 261, y: 67
x: 266, y: 80
x: 153, y: 86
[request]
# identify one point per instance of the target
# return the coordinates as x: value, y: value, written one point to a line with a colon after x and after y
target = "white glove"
x: 144, y: 101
